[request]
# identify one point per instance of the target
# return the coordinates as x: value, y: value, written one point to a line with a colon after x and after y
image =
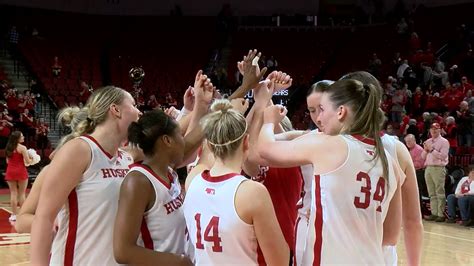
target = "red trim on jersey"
x: 149, y: 170
x: 302, y: 192
x: 318, y: 222
x: 260, y: 258
x: 364, y: 139
x: 206, y: 175
x: 146, y: 236
x: 296, y: 240
x: 72, y: 231
x: 98, y: 145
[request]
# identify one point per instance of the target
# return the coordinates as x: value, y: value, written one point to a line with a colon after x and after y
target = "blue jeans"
x: 463, y: 204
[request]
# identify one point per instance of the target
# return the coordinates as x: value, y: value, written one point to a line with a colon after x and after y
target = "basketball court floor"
x: 444, y: 244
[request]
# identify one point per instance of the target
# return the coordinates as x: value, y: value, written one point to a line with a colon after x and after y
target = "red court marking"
x: 8, y: 235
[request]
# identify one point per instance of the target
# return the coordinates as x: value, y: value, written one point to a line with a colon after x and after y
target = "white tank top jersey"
x: 304, y: 204
x: 348, y: 209
x: 163, y: 225
x: 218, y: 234
x: 86, y: 221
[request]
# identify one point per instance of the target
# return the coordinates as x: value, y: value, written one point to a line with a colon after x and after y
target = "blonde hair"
x: 84, y: 120
x: 224, y: 129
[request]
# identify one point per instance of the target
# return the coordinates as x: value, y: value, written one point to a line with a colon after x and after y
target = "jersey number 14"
x: 211, y: 234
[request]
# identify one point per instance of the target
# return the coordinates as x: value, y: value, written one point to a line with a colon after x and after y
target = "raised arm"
x: 54, y: 194
x: 137, y: 196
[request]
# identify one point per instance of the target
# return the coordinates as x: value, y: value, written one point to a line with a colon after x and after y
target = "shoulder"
x: 136, y: 181
x: 252, y: 191
x: 76, y: 150
x: 21, y: 147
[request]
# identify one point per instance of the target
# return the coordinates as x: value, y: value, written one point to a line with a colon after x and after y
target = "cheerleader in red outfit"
x: 16, y: 174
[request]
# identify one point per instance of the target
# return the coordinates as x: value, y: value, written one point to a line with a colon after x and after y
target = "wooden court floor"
x: 444, y: 244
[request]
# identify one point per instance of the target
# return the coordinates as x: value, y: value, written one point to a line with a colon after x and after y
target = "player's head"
x: 350, y: 107
x: 313, y: 98
x: 156, y: 132
x: 225, y: 130
x: 365, y: 77
x: 109, y: 104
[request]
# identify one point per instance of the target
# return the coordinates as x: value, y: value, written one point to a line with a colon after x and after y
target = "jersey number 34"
x: 363, y: 202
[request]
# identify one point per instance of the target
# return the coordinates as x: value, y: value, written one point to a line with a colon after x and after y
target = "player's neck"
x: 229, y: 165
x: 159, y: 164
x: 109, y: 142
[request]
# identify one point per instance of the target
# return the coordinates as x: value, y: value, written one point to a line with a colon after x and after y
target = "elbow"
x: 120, y: 254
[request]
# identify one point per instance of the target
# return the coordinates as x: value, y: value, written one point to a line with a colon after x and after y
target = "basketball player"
x: 82, y: 185
x: 313, y: 100
x: 411, y: 213
x: 150, y: 226
x: 229, y: 217
x: 355, y: 186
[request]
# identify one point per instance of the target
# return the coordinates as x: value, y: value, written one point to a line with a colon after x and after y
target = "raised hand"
x: 264, y: 92
x: 252, y: 74
x: 274, y: 114
x: 172, y: 112
x: 203, y: 90
x: 240, y: 104
x: 282, y: 80
x: 188, y: 99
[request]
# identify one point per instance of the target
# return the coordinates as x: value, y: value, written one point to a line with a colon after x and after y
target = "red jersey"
x: 284, y: 186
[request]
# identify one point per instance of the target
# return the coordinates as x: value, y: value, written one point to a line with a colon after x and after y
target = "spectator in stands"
x: 454, y: 74
x: 419, y: 163
x: 451, y: 97
x: 413, y: 130
x: 5, y: 128
x: 272, y: 64
x: 462, y: 198
x: 56, y: 67
x: 465, y: 85
x: 451, y: 134
x: 401, y: 69
x: 427, y: 72
x: 415, y: 43
x: 398, y: 103
x: 417, y: 102
x: 170, y: 101
x: 86, y: 91
x: 30, y: 100
x: 425, y: 126
x: 153, y: 102
x: 42, y: 130
x: 375, y: 65
x: 12, y: 100
x: 402, y: 27
x: 465, y: 120
x: 27, y: 122
x: 439, y: 73
x: 435, y: 153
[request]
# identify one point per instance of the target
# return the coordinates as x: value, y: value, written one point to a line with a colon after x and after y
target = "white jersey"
x: 348, y: 209
x: 217, y: 233
x: 86, y: 222
x: 304, y: 207
x: 163, y: 225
